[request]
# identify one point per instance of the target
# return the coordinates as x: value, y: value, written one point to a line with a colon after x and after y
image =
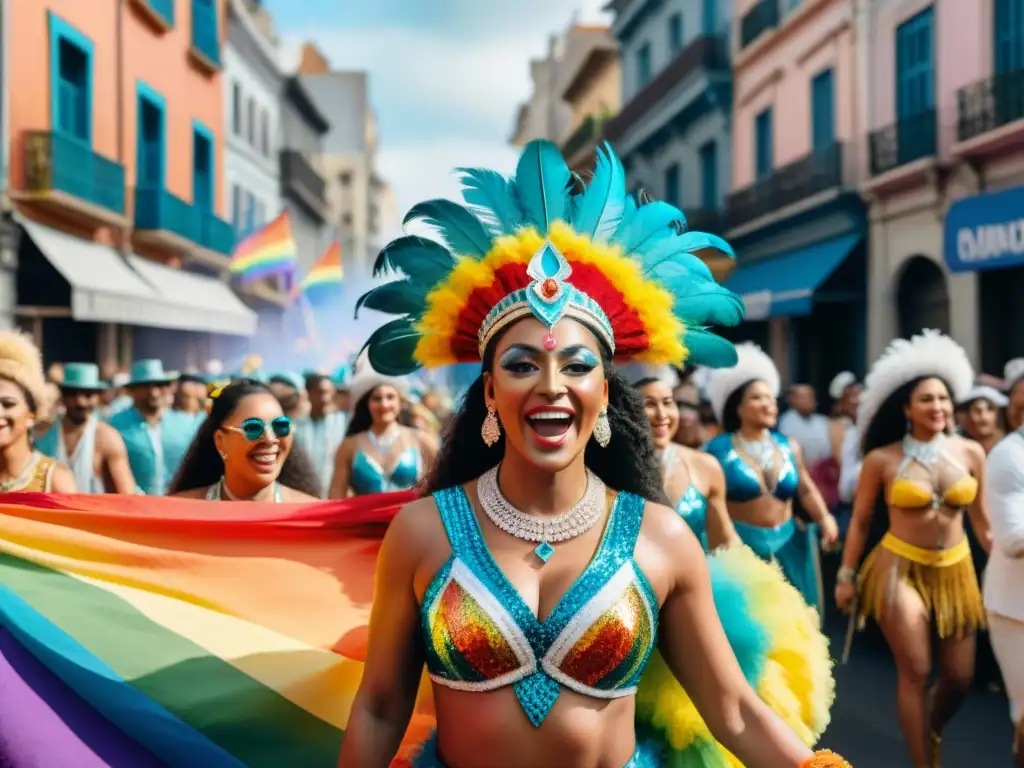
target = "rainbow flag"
x: 327, y: 272
x: 185, y: 633
x: 268, y: 251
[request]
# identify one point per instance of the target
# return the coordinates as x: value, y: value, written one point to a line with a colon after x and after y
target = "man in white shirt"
x: 1004, y: 576
x: 849, y: 465
x: 802, y: 424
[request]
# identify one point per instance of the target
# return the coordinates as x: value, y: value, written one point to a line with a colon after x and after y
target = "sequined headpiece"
x: 532, y: 247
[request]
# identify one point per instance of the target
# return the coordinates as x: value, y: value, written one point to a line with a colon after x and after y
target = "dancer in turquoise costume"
x: 556, y: 603
x: 155, y: 436
x: 692, y: 480
x: 764, y: 472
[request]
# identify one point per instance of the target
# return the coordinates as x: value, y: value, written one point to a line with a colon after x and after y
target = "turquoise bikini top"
x: 742, y: 481
x: 480, y: 634
x: 692, y: 507
x: 368, y: 476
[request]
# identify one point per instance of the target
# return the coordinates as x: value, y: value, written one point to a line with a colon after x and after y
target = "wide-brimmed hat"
x: 82, y: 377
x: 149, y: 372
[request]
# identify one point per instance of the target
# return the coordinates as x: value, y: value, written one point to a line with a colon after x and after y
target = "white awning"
x: 104, y: 289
x: 205, y: 303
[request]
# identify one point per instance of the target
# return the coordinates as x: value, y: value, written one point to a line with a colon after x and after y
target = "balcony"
x: 166, y: 222
x: 708, y: 53
x: 66, y: 176
x: 812, y: 174
x: 902, y: 143
x: 301, y: 182
x: 990, y: 114
x: 205, y: 49
x: 159, y: 14
x: 760, y: 18
x: 583, y: 140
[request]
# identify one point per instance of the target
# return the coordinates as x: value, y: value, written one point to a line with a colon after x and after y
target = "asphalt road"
x: 865, y: 728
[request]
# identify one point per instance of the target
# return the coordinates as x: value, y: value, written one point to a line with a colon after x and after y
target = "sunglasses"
x: 254, y: 429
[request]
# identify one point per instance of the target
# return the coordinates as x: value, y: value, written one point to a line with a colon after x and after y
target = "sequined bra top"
x: 368, y: 476
x: 480, y: 634
x: 907, y: 493
x: 692, y: 506
x: 743, y: 482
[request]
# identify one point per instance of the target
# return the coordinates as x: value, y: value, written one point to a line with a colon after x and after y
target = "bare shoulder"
x: 972, y: 450
x: 63, y: 479
x: 666, y: 549
x: 192, y: 493
x: 418, y: 525
x: 108, y: 439
x: 293, y: 496
x: 705, y: 463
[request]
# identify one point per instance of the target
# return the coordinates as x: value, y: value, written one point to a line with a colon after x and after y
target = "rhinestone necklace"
x: 666, y: 458
x: 925, y: 454
x: 385, y: 440
x: 577, y: 521
x: 16, y: 483
x: 761, y: 451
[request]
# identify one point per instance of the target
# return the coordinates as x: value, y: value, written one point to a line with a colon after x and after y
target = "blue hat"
x: 82, y: 377
x: 342, y: 376
x: 290, y: 378
x: 149, y: 372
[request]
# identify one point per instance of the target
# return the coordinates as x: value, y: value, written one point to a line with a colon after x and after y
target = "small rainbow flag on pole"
x: 267, y: 252
x: 326, y: 272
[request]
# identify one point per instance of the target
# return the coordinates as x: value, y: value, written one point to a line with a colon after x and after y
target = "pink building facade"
x: 944, y: 103
x: 794, y: 214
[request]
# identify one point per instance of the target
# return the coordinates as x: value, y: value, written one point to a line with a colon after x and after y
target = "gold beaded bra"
x: 481, y: 635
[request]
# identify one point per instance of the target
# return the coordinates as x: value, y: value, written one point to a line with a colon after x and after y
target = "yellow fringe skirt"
x: 944, y: 578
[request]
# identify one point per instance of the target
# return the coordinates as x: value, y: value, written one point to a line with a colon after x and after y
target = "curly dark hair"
x: 629, y: 463
x: 203, y: 466
x: 889, y: 423
x: 731, y: 409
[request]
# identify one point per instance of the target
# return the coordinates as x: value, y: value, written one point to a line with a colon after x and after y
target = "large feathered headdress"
x: 752, y: 364
x: 531, y: 247
x: 929, y: 354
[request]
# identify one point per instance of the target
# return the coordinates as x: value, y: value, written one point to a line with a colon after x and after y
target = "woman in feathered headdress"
x: 536, y: 579
x: 920, y: 579
x: 764, y: 472
x: 22, y: 395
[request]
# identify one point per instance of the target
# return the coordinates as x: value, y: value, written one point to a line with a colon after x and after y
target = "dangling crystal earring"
x: 490, y: 430
x: 602, y: 429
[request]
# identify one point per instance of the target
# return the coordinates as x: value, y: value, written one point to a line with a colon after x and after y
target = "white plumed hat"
x: 752, y: 364
x: 637, y: 372
x: 840, y: 383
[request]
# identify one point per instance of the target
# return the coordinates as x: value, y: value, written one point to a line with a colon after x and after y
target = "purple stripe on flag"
x: 44, y: 723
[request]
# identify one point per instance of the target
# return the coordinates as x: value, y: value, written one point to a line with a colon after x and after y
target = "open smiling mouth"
x: 265, y: 459
x: 550, y: 425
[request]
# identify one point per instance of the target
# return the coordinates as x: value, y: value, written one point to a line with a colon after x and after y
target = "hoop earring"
x: 602, y: 429
x: 490, y: 430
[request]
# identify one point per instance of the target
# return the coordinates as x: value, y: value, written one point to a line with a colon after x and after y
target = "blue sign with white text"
x: 985, y: 232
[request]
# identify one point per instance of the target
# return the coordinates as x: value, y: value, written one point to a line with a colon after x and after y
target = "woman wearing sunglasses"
x: 244, y: 451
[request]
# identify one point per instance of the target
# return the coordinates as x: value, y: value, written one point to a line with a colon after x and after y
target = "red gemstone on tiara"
x: 549, y: 288
x: 549, y: 341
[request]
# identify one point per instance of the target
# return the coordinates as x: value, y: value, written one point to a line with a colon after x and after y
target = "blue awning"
x: 784, y: 286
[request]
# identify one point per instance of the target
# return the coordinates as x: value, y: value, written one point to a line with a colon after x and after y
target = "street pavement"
x: 865, y: 728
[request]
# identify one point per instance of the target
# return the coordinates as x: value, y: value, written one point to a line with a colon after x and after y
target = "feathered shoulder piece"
x: 929, y: 354
x: 529, y: 246
x: 752, y: 364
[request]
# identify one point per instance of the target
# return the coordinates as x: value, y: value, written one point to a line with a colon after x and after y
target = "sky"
x: 446, y: 76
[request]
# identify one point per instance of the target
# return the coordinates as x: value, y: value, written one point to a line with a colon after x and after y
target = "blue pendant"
x: 544, y: 551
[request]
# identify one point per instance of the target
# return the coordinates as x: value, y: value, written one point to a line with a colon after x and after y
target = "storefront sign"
x: 986, y: 232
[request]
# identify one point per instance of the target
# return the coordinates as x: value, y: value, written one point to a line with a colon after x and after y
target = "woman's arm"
x: 1004, y: 481
x: 697, y: 651
x: 812, y: 500
x: 394, y: 660
x: 721, y: 532
x: 117, y: 471
x: 342, y: 469
x: 978, y: 511
x: 836, y: 434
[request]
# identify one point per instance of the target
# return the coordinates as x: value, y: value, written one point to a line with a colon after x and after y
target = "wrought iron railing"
x: 905, y: 141
x: 816, y: 172
x: 157, y: 209
x: 215, y: 233
x: 764, y: 15
x: 54, y: 162
x: 989, y: 104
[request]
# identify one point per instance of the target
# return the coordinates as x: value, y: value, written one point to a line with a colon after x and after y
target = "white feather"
x: 1013, y: 370
x: 635, y: 372
x: 929, y: 354
x: 367, y: 379
x: 840, y: 383
x: 752, y: 365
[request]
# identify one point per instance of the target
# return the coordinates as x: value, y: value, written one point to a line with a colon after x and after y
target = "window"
x: 823, y: 133
x: 346, y: 219
x: 710, y: 17
x: 1008, y: 25
x: 709, y: 176
x: 250, y: 114
x: 71, y: 80
x: 151, y: 139
x: 250, y: 213
x: 672, y: 185
x: 675, y: 32
x: 763, y: 144
x: 643, y: 65
x: 205, y: 37
x: 345, y: 178
x: 236, y: 209
x: 202, y: 168
x: 915, y: 67
x: 236, y: 109
x: 265, y: 133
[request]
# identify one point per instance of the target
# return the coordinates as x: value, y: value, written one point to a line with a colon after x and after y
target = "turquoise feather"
x: 707, y: 349
x: 705, y: 302
x: 493, y: 198
x: 463, y: 231
x: 691, y: 242
x: 399, y: 297
x: 417, y: 257
x: 390, y: 348
x: 598, y: 211
x: 652, y: 223
x: 669, y: 253
x: 542, y: 185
